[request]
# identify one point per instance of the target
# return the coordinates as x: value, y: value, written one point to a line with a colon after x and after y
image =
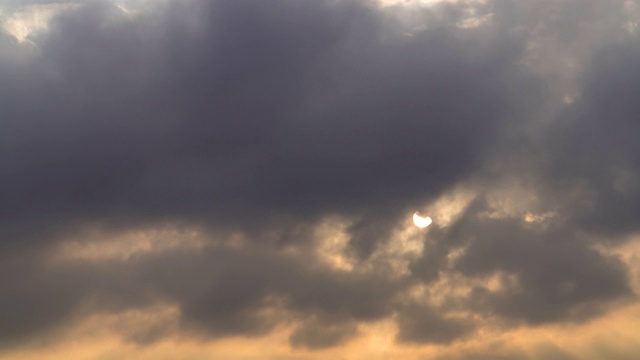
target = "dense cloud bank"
x: 260, y: 120
x: 233, y: 109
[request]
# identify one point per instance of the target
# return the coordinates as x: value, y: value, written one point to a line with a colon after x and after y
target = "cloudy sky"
x: 235, y: 179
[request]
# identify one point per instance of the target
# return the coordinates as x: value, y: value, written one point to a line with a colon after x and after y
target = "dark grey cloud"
x: 315, y: 334
x: 235, y: 114
x: 264, y: 118
x: 34, y: 299
x: 228, y: 110
x: 548, y: 274
x: 593, y: 141
x: 559, y: 276
x: 419, y: 323
x: 218, y: 292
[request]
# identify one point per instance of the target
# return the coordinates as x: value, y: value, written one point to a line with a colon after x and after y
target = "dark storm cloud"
x: 232, y: 109
x: 34, y: 299
x: 558, y: 275
x: 594, y: 141
x: 419, y: 323
x: 219, y: 293
x: 233, y: 113
x: 585, y: 164
x: 370, y: 230
x: 262, y: 118
x: 316, y: 334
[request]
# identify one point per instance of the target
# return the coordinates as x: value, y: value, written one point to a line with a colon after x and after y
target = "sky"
x: 236, y: 179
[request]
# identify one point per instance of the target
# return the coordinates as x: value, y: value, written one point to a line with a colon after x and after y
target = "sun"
x: 421, y: 222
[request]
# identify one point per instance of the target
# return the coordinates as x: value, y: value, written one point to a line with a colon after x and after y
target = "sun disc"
x: 421, y: 222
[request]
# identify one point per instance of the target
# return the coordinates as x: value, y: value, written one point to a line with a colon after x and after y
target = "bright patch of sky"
x: 27, y: 20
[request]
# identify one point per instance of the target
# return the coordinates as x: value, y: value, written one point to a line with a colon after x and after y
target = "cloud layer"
x: 254, y: 166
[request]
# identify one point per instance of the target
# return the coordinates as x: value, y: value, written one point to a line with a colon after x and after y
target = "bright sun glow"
x: 421, y: 222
